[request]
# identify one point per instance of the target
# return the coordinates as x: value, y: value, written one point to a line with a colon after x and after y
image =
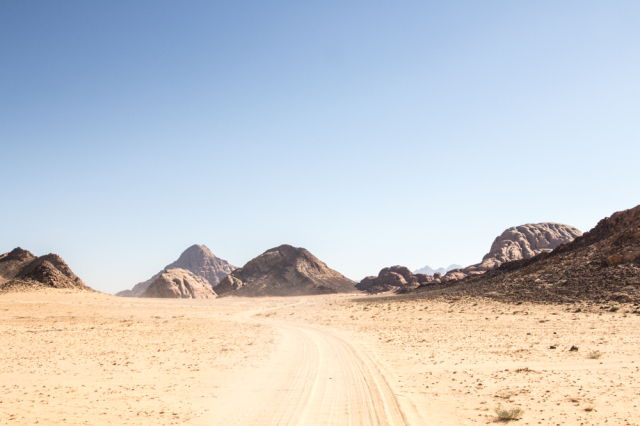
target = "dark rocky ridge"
x: 197, y: 259
x: 602, y: 265
x: 284, y: 271
x: 21, y: 270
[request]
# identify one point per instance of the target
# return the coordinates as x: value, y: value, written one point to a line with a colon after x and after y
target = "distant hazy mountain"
x: 430, y: 271
x: 197, y: 259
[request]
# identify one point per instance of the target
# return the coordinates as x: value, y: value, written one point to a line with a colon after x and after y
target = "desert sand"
x: 89, y: 358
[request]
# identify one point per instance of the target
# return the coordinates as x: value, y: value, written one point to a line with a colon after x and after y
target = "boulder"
x: 403, y: 271
x: 453, y: 276
x: 615, y: 259
x: 424, y: 278
x: 391, y: 279
x: 367, y: 283
x: 621, y: 297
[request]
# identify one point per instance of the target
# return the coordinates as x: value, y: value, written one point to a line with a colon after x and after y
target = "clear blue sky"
x: 370, y: 133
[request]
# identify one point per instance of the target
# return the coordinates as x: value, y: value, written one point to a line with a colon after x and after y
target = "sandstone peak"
x: 284, y: 271
x: 195, y: 252
x: 179, y: 283
x: 197, y: 259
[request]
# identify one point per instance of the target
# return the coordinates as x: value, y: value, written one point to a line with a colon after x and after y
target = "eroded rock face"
x: 516, y: 243
x: 203, y: 263
x: 179, y: 284
x: 197, y: 259
x: 284, y: 271
x: 602, y: 266
x: 19, y: 269
x: 525, y: 241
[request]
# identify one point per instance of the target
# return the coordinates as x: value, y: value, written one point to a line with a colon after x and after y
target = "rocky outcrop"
x: 518, y: 242
x: 197, y: 259
x: 603, y: 265
x: 284, y: 271
x: 525, y: 241
x: 21, y: 270
x: 13, y: 262
x: 179, y: 284
x: 397, y: 279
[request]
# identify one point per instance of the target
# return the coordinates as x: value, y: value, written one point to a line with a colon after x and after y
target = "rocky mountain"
x: 21, y: 270
x: 430, y: 271
x: 284, y: 271
x: 518, y: 242
x: 602, y: 265
x: 398, y: 279
x: 179, y: 284
x: 197, y: 259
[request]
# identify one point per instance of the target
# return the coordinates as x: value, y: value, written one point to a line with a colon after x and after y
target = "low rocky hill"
x: 603, y: 265
x: 21, y: 270
x: 284, y: 271
x: 197, y: 259
x: 398, y: 279
x: 179, y: 284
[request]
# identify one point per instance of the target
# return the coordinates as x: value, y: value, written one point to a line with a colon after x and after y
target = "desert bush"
x: 508, y: 414
x: 594, y: 355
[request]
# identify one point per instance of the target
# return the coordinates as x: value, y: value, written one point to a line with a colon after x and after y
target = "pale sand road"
x: 316, y: 378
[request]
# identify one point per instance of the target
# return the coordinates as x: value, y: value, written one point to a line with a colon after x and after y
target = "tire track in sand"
x: 315, y: 378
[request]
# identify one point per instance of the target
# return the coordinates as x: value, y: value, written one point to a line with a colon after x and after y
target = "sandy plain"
x: 92, y: 359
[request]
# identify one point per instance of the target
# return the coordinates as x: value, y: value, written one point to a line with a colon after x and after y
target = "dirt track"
x: 316, y: 378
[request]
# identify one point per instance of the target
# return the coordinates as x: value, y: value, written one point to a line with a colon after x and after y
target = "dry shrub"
x: 508, y: 414
x: 594, y: 355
